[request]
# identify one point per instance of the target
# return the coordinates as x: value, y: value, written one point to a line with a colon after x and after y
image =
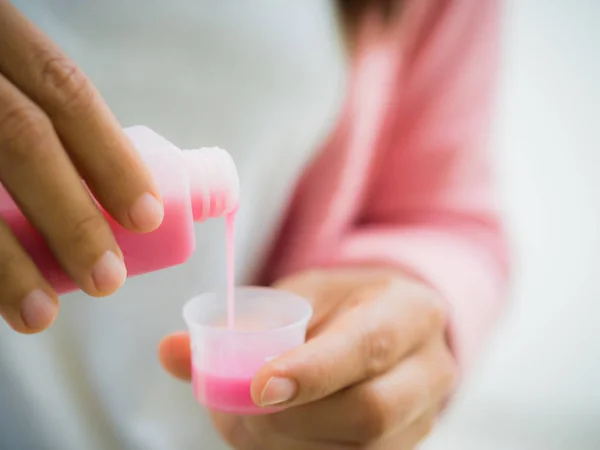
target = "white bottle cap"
x: 214, y: 182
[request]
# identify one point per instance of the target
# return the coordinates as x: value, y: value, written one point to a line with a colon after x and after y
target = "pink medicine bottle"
x: 195, y: 185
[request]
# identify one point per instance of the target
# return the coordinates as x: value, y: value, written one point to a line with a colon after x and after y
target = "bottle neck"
x: 214, y: 182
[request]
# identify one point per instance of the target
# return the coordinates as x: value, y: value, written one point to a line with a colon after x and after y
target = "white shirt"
x: 263, y: 79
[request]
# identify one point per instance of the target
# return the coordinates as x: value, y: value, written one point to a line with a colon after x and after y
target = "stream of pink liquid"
x: 228, y: 394
x: 230, y: 257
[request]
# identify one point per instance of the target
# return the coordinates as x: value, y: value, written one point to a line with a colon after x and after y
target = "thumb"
x: 358, y: 343
x: 325, y: 364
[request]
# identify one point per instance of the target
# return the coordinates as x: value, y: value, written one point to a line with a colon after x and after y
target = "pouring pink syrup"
x: 221, y: 392
x: 226, y: 392
x: 230, y: 257
x: 196, y: 185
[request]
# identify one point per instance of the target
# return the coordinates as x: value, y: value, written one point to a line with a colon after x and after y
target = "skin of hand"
x: 55, y: 131
x: 374, y: 372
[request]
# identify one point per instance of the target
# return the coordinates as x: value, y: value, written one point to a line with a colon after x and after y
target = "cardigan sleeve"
x: 430, y: 206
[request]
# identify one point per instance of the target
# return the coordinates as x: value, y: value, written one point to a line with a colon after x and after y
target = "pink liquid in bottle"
x: 195, y: 186
x: 226, y: 394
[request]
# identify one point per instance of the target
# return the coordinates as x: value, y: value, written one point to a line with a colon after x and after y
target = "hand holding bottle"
x: 55, y: 130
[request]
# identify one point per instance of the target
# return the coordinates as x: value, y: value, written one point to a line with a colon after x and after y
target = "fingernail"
x: 278, y: 390
x: 109, y: 273
x: 147, y: 213
x: 38, y: 310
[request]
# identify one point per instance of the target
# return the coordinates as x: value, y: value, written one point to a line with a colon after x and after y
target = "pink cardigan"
x: 405, y: 179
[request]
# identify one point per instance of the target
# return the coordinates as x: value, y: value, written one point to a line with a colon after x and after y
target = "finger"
x: 363, y: 342
x: 250, y: 433
x: 246, y: 433
x: 27, y: 302
x: 102, y: 153
x: 39, y: 176
x: 412, y: 436
x: 175, y: 356
x: 313, y: 285
x: 330, y: 290
x: 372, y: 410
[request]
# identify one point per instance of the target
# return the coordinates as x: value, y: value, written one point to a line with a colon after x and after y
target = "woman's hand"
x: 55, y: 130
x: 374, y: 373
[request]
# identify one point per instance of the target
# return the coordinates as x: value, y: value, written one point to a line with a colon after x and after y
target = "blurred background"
x: 538, y: 385
x: 538, y: 388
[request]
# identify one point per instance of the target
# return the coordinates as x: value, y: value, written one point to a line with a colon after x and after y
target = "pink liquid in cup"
x: 268, y: 323
x: 226, y: 394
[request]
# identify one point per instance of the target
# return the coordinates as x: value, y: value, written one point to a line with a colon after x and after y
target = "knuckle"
x: 375, y: 419
x: 85, y: 229
x: 21, y: 126
x: 432, y: 312
x: 8, y: 263
x: 66, y: 84
x: 379, y: 345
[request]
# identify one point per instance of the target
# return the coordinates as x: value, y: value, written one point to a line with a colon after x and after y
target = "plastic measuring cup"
x: 268, y: 322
